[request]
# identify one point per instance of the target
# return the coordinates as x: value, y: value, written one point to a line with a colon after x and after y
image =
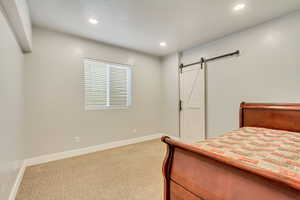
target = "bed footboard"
x: 191, y: 175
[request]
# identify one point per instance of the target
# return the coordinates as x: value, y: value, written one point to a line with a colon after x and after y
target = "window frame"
x: 109, y: 64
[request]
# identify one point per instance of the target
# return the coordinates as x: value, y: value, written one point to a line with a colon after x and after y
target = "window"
x: 107, y: 85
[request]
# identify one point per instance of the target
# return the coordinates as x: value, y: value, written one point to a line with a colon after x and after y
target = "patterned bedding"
x: 272, y: 153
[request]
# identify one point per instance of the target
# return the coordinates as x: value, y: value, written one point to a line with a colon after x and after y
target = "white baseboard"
x: 78, y: 152
x: 174, y: 137
x: 17, y: 183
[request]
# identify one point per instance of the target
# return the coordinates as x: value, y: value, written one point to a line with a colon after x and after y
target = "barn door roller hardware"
x: 203, y: 60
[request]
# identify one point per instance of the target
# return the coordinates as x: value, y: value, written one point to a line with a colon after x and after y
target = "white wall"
x: 170, y: 95
x: 11, y: 107
x: 268, y: 70
x: 55, y: 96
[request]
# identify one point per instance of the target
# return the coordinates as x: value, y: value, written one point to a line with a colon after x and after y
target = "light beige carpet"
x: 131, y: 172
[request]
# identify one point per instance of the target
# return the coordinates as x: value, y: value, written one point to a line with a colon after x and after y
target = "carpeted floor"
x: 131, y: 172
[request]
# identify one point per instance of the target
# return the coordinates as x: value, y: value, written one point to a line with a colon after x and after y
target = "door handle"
x: 180, y: 105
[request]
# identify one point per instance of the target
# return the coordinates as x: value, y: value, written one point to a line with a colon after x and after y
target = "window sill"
x: 106, y: 108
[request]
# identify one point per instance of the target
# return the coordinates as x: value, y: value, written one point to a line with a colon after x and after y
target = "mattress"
x: 274, y: 154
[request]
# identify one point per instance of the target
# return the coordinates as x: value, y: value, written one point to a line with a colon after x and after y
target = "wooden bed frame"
x: 191, y: 175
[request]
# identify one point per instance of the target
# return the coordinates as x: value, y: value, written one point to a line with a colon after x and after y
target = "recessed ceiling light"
x: 239, y: 7
x: 163, y: 44
x: 93, y: 21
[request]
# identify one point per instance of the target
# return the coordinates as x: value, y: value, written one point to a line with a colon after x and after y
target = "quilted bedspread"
x: 271, y: 153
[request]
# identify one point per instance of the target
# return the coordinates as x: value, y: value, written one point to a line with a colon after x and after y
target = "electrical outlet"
x: 77, y: 139
x: 134, y: 130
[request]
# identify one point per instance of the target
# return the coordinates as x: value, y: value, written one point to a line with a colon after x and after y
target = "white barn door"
x: 192, y: 95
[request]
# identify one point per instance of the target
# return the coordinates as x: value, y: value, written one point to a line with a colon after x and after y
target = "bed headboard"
x: 269, y: 115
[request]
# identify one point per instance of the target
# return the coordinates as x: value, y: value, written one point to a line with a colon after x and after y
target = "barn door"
x: 192, y: 95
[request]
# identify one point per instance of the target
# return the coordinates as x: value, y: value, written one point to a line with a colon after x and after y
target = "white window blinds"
x: 107, y: 85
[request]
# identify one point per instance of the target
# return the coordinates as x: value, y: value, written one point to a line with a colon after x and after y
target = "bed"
x: 261, y: 160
